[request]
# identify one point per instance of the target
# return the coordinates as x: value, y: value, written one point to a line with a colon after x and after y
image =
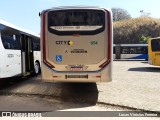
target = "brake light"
x: 44, y: 40
x: 76, y: 35
x: 98, y: 76
x: 109, y: 43
x: 105, y: 64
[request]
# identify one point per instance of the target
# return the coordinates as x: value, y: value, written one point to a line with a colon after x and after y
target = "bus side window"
x: 6, y: 45
x: 144, y: 50
x: 132, y: 50
x: 36, y: 44
x: 125, y: 50
x: 113, y: 49
x: 5, y: 42
x: 10, y: 43
x: 10, y: 38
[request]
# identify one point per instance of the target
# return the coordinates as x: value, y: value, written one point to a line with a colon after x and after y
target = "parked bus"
x: 76, y: 44
x: 19, y: 51
x: 154, y: 51
x: 130, y: 51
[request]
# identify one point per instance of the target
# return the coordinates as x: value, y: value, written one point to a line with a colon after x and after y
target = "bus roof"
x: 18, y: 28
x: 130, y: 45
x: 155, y: 38
x: 77, y: 7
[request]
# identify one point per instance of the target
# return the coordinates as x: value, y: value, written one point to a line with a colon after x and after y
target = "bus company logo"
x: 78, y: 51
x: 64, y: 42
x: 66, y: 51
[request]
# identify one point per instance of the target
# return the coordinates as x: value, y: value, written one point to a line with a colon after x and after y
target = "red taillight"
x: 76, y: 35
x: 98, y: 76
x: 109, y: 42
x: 48, y: 64
x: 44, y: 39
x: 55, y: 76
x: 105, y: 64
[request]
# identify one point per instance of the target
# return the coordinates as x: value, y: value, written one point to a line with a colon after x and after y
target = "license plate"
x: 76, y: 76
x: 76, y: 68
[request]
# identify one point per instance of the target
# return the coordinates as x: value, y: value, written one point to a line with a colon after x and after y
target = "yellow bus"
x: 154, y: 51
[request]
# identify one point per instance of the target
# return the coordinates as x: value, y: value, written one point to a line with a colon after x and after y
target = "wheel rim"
x: 36, y: 68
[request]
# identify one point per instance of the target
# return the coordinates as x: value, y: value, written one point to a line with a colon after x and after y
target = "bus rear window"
x: 155, y: 45
x: 77, y: 21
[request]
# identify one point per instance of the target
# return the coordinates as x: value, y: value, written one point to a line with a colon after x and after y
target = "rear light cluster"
x: 44, y: 39
x: 109, y: 42
x: 105, y: 64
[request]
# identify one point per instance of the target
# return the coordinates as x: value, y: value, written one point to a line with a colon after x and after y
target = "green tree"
x: 144, y: 39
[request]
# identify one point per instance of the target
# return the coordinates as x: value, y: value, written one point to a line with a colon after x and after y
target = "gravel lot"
x: 135, y: 84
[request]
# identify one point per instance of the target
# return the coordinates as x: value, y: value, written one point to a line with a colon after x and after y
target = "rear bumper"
x: 105, y: 75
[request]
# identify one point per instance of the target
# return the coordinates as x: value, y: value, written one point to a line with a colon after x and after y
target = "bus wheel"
x: 36, y: 68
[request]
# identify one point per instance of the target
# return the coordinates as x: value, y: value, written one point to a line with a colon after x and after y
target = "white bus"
x: 19, y: 51
x: 76, y: 44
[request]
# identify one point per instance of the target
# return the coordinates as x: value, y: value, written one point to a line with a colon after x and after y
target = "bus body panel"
x: 134, y: 56
x: 81, y: 48
x: 10, y: 62
x: 2, y: 65
x: 98, y: 76
x: 91, y: 56
x: 13, y: 63
x: 154, y: 51
x: 76, y: 58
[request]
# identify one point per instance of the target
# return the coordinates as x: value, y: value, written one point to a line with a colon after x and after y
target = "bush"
x: 135, y: 30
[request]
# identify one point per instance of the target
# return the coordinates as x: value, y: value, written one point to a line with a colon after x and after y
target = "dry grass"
x: 131, y: 30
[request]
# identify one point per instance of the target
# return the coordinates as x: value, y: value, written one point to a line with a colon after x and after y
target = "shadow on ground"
x: 145, y: 69
x: 31, y: 91
x: 145, y: 62
x: 83, y: 92
x: 8, y: 82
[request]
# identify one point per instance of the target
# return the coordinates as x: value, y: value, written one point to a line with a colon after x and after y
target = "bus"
x: 76, y: 44
x: 154, y: 51
x: 19, y: 51
x: 130, y: 51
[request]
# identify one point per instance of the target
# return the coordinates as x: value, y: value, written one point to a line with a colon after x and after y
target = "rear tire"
x: 36, y: 68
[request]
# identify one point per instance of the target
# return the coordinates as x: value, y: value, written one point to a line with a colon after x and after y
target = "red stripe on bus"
x: 44, y: 40
x: 109, y: 41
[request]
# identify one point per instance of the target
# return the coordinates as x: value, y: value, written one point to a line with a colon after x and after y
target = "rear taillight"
x: 44, y: 39
x: 109, y: 42
x: 105, y: 64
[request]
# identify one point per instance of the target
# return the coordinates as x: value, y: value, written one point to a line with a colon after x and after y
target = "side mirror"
x: 39, y: 14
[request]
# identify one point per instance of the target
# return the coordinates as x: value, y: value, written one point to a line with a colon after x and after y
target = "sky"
x: 25, y: 13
